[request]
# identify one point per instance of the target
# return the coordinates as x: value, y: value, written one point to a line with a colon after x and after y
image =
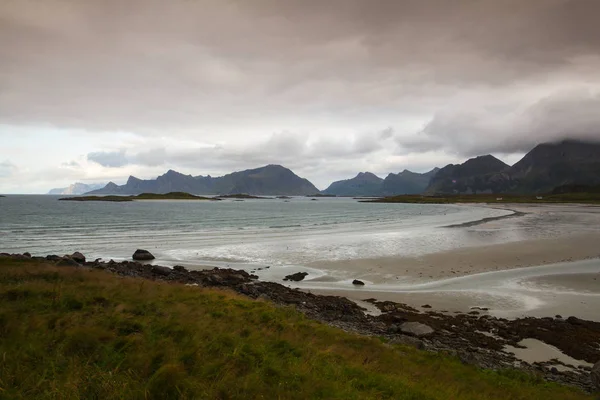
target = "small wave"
x: 284, y: 226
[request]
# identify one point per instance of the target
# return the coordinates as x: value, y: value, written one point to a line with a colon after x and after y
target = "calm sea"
x: 257, y: 232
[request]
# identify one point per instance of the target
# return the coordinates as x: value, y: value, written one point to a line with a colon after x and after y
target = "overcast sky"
x: 93, y: 91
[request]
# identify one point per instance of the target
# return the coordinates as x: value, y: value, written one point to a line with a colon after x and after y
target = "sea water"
x: 266, y: 232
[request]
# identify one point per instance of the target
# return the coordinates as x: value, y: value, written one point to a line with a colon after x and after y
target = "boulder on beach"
x: 358, y: 283
x: 595, y: 375
x: 297, y: 277
x: 159, y: 270
x: 142, y: 255
x: 416, y: 329
x: 77, y: 256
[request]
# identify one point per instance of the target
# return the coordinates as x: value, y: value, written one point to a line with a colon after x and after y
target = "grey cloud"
x: 150, y: 65
x: 478, y: 76
x: 573, y: 114
x: 111, y: 159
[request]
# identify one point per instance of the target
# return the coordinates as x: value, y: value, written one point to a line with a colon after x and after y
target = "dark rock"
x: 416, y: 329
x: 142, y: 255
x: 297, y: 277
x: 574, y: 321
x: 163, y: 271
x: 426, y: 306
x: 180, y: 268
x: 554, y: 370
x: 77, y: 256
x: 26, y: 254
x: 558, y: 316
x: 53, y: 257
x: 67, y: 262
x: 595, y: 375
x: 358, y: 283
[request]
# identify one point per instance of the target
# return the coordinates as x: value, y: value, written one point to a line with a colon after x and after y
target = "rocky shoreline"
x: 475, y: 338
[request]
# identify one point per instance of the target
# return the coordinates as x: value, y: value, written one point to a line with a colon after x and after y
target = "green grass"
x: 85, y: 334
x: 579, y: 198
x: 143, y: 196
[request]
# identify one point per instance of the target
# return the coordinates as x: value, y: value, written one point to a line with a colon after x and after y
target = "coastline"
x: 473, y: 338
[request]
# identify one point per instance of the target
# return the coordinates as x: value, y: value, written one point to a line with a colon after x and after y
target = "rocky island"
x: 143, y: 196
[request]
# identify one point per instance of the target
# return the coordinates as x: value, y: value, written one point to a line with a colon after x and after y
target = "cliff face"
x: 268, y: 180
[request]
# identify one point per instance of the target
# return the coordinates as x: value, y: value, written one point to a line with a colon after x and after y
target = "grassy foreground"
x: 70, y: 333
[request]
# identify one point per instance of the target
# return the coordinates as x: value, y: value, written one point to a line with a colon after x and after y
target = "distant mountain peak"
x: 367, y: 175
x: 172, y: 172
x: 132, y: 179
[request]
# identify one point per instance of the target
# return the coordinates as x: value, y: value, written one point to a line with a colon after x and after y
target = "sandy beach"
x: 560, y: 237
x: 472, y: 260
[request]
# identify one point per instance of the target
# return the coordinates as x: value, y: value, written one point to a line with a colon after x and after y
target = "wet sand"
x: 554, y: 269
x: 469, y: 260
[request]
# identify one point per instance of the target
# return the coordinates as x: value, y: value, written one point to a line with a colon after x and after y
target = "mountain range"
x: 566, y: 164
x: 369, y: 184
x: 544, y: 168
x: 268, y: 180
x: 77, y: 188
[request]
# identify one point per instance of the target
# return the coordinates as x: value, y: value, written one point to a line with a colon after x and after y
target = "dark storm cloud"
x: 481, y: 75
